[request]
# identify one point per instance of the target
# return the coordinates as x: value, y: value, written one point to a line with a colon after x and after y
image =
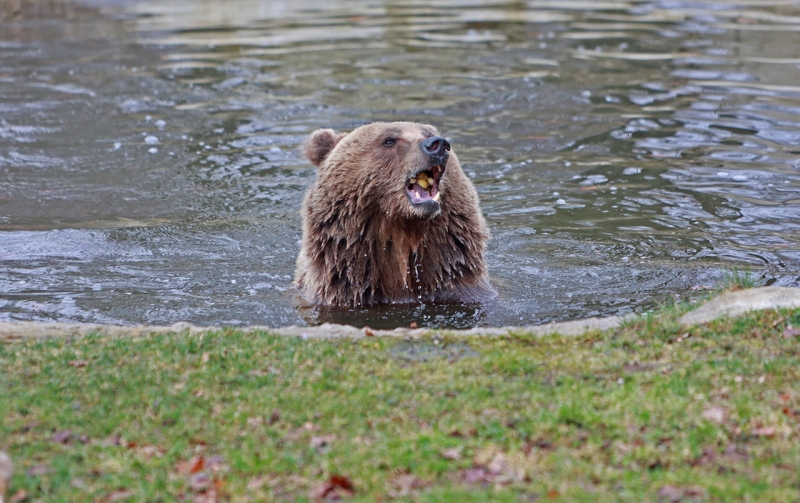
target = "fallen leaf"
x: 209, y: 496
x: 322, y: 441
x: 148, y: 451
x: 453, y: 453
x: 200, y: 481
x: 119, y: 495
x: 766, y: 431
x: 708, y: 457
x: 215, y: 463
x: 38, y: 470
x: 19, y: 496
x: 791, y: 332
x: 552, y: 494
x: 476, y: 475
x: 670, y: 493
x: 62, y: 437
x: 112, y: 440
x: 715, y: 415
x: 194, y: 465
x: 77, y: 363
x: 674, y: 494
x: 307, y: 426
x: 259, y: 482
x: 28, y: 427
x: 369, y: 332
x: 336, y: 487
x: 404, y: 485
x: 274, y: 417
x: 736, y: 453
x: 498, y: 464
x: 635, y: 367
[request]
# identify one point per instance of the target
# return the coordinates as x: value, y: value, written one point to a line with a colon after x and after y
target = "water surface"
x: 625, y: 153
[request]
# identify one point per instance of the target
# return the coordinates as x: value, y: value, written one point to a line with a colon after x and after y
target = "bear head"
x: 402, y: 164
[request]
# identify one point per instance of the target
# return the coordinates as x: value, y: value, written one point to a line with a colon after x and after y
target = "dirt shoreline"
x: 730, y: 304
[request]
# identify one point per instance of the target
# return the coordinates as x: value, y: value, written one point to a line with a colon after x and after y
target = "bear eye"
x: 388, y: 142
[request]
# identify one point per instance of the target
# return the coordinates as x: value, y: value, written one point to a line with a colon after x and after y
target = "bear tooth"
x: 412, y: 181
x: 423, y: 183
x: 430, y: 181
x: 436, y: 197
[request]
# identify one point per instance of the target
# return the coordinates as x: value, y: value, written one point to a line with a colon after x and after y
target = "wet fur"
x: 364, y: 243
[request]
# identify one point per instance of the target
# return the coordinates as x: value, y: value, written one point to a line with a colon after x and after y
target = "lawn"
x: 650, y: 411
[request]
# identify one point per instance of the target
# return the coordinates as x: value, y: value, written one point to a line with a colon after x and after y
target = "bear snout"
x: 436, y: 148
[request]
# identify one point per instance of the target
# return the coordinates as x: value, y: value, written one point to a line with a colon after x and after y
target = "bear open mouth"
x: 423, y: 187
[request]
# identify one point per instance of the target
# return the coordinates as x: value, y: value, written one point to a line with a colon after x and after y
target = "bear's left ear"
x: 320, y: 144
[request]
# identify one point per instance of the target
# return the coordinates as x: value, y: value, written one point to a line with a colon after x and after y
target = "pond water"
x: 625, y: 152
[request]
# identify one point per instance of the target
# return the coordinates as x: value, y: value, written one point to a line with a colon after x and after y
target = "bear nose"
x: 436, y: 147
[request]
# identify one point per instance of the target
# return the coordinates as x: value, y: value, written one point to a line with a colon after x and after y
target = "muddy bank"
x: 731, y: 304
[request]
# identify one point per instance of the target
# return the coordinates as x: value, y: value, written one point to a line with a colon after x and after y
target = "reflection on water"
x: 624, y: 152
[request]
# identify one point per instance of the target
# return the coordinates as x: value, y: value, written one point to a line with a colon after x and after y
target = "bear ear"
x: 320, y: 144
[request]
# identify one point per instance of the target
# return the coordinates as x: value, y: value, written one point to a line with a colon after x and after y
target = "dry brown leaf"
x: 77, y: 363
x: 791, y: 332
x: 259, y: 482
x: 210, y: 496
x: 120, y: 495
x: 765, y: 431
x: 38, y: 470
x: 335, y: 488
x: 19, y: 496
x: 736, y: 453
x: 113, y: 440
x: 148, y: 451
x: 476, y: 475
x: 194, y: 465
x: 62, y: 437
x: 716, y: 415
x: 322, y: 441
x: 675, y: 494
x: 274, y: 417
x: 453, y: 453
x: 200, y: 481
x: 404, y: 485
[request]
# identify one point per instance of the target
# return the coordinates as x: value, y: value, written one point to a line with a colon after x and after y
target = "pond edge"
x: 729, y: 304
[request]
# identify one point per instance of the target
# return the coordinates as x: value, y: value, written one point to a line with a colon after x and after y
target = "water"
x: 625, y: 153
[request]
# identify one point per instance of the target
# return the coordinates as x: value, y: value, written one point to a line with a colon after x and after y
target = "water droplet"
x: 151, y: 140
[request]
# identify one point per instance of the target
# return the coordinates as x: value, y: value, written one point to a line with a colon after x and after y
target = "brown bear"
x: 391, y: 219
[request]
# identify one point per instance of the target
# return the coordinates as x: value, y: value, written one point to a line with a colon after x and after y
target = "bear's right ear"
x: 320, y: 144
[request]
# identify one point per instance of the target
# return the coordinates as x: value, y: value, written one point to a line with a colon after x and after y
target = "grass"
x: 648, y: 412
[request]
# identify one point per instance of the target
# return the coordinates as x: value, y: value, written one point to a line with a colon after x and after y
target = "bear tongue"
x: 420, y: 193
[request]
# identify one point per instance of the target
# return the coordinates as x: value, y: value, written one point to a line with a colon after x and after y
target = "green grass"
x: 650, y: 411
x: 738, y: 280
